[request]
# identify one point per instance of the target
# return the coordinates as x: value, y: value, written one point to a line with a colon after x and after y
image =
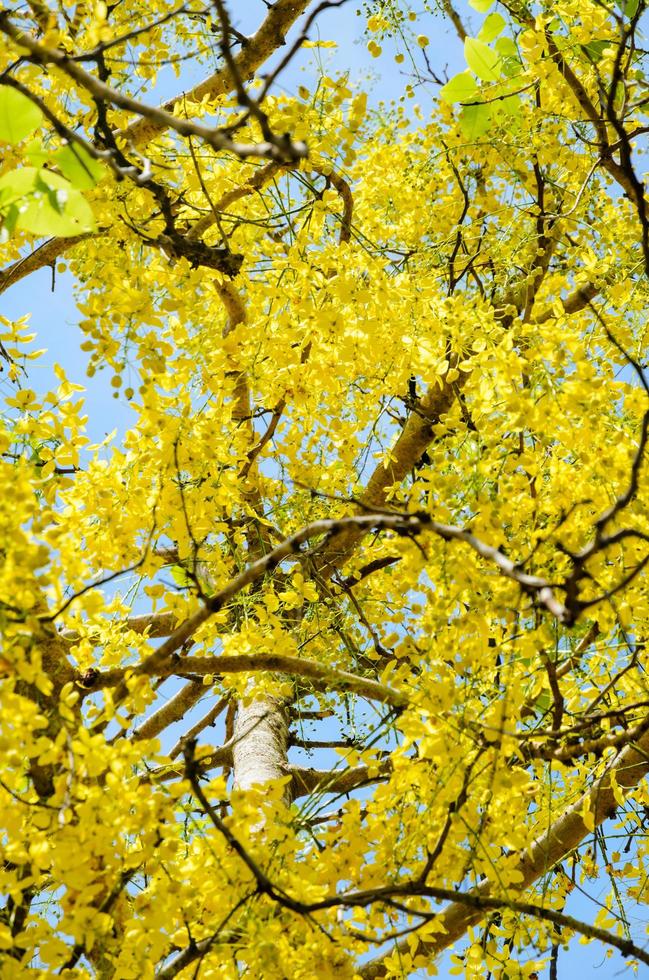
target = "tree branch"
x: 325, y: 677
x: 306, y: 781
x: 255, y: 52
x: 562, y: 837
x: 258, y: 48
x: 278, y: 147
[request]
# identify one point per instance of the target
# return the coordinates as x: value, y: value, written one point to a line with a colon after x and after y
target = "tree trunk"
x: 260, y: 752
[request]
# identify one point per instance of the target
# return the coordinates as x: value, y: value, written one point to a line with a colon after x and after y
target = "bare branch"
x: 42, y: 256
x: 175, y: 709
x: 455, y: 19
x: 205, y: 722
x: 306, y: 781
x: 324, y: 677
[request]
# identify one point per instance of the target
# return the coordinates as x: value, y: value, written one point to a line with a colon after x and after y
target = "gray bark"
x: 260, y: 750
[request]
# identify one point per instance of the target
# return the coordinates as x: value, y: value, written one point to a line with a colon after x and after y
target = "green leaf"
x: 42, y: 218
x: 79, y: 167
x: 17, y: 184
x: 482, y: 60
x: 630, y: 7
x: 475, y: 120
x: 482, y: 6
x: 461, y: 88
x: 506, y: 47
x: 56, y: 196
x: 48, y: 204
x: 8, y: 220
x: 593, y: 50
x: 18, y: 115
x: 180, y: 576
x: 492, y: 27
x: 511, y: 106
x: 36, y: 152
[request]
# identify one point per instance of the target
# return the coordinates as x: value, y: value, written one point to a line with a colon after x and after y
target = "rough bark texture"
x: 260, y: 747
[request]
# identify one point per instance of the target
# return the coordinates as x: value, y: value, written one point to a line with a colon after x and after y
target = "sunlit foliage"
x: 380, y: 504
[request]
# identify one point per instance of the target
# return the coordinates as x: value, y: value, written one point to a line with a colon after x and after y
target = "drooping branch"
x: 592, y: 746
x: 466, y: 908
x: 485, y: 903
x: 621, y: 171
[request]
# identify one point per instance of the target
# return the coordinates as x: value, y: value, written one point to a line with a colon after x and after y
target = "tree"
x: 383, y: 496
